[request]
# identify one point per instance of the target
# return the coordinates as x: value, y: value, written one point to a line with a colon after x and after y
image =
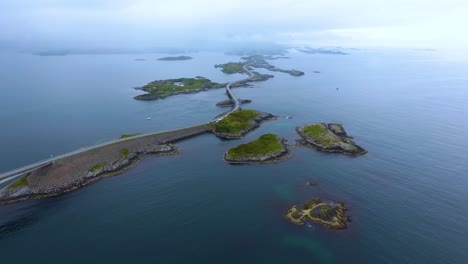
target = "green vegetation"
x: 23, y: 182
x: 164, y: 88
x: 236, y: 122
x: 176, y: 58
x: 232, y: 67
x: 312, y: 203
x: 265, y: 144
x: 321, y: 134
x: 128, y: 135
x: 124, y: 153
x: 97, y: 167
x: 325, y: 211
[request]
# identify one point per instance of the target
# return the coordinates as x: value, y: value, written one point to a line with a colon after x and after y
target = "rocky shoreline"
x: 253, y: 124
x: 11, y: 195
x: 272, y: 157
x: 328, y: 138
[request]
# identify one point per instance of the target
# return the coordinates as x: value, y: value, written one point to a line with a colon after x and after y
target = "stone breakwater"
x: 75, y: 171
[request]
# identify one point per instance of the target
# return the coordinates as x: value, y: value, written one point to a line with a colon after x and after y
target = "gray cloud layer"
x: 144, y: 23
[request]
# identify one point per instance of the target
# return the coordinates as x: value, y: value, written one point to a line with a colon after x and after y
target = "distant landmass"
x: 309, y: 50
x: 176, y: 58
x: 52, y: 53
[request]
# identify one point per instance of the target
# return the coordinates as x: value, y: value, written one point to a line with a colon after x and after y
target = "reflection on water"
x: 16, y: 225
x: 310, y: 245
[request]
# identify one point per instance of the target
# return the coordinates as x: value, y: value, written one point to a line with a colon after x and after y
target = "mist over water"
x: 407, y: 197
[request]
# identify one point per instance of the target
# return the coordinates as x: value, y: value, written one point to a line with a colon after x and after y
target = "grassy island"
x: 264, y: 145
x: 239, y: 123
x: 231, y: 67
x: 332, y: 215
x: 163, y: 88
x: 236, y: 122
x: 328, y: 138
x: 267, y: 148
x: 321, y: 134
x: 175, y: 58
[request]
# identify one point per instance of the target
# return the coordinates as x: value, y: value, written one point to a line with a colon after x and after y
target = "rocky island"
x: 259, y: 61
x: 256, y: 61
x: 331, y: 215
x: 178, y: 58
x: 239, y: 123
x: 232, y: 67
x: 267, y: 149
x: 328, y: 138
x: 164, y: 88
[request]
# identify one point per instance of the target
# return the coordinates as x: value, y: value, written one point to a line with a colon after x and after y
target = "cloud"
x: 114, y: 23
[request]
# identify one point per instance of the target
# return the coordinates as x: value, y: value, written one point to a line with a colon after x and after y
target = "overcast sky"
x: 146, y: 23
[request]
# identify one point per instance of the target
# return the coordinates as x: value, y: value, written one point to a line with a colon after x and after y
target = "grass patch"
x: 325, y: 211
x: 23, y: 182
x: 171, y: 86
x: 124, y: 153
x: 232, y: 67
x: 265, y: 144
x: 321, y: 134
x: 236, y: 122
x: 128, y: 135
x: 97, y: 167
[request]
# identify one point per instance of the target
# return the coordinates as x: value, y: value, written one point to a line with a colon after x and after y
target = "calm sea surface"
x: 408, y: 197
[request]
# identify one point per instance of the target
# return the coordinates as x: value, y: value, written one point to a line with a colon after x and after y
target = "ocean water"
x: 408, y: 197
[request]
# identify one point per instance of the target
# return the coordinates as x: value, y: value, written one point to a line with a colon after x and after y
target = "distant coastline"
x: 176, y: 58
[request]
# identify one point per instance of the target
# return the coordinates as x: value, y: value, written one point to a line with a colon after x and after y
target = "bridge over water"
x: 168, y: 136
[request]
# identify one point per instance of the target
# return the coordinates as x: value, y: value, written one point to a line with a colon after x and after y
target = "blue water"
x: 408, y: 197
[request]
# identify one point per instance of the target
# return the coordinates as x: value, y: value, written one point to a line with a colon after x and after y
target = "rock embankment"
x: 328, y: 138
x: 35, y: 189
x: 127, y: 160
x: 72, y: 172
